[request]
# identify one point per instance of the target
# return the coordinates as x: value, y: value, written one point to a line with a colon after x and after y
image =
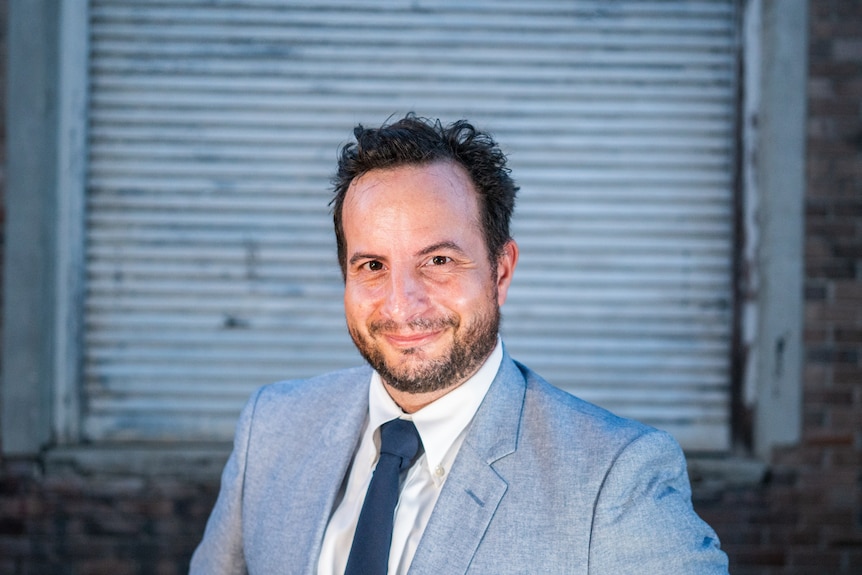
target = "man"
x: 508, y: 474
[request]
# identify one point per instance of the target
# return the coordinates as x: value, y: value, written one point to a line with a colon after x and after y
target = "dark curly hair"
x: 413, y: 140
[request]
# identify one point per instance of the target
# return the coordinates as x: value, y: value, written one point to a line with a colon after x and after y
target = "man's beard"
x: 470, y: 347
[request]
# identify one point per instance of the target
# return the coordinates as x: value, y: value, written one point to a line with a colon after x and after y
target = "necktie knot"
x: 400, y: 438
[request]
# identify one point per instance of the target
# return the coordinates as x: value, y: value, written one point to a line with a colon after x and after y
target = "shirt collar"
x: 441, y: 422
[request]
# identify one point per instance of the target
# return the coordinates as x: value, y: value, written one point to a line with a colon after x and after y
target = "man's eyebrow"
x: 360, y: 256
x: 445, y: 245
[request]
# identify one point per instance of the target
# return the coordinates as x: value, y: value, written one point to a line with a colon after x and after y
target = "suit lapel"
x: 339, y: 449
x: 325, y: 463
x: 474, y: 489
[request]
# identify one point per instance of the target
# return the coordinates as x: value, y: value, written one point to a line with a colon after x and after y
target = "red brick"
x: 818, y: 247
x: 108, y: 567
x: 16, y: 547
x: 801, y: 457
x: 848, y: 87
x: 847, y: 457
x: 845, y: 418
x: 847, y: 49
x: 848, y: 291
x: 833, y: 28
x: 820, y: 129
x: 847, y: 375
x: 757, y: 556
x: 827, y: 517
x: 828, y: 438
x: 849, y: 335
x: 830, y: 396
x: 821, y: 88
x: 838, y: 312
x: 852, y: 559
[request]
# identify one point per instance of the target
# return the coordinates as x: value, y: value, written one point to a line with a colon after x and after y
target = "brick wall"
x: 98, y: 525
x: 806, y: 518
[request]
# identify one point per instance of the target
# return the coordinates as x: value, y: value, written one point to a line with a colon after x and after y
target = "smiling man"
x: 443, y: 454
x: 422, y: 295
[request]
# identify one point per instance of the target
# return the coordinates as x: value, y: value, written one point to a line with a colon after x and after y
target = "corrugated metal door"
x: 214, y: 129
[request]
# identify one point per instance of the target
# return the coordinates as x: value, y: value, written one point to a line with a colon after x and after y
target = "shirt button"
x: 439, y: 471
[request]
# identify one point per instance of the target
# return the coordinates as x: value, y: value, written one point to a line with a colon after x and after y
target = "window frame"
x: 46, y: 118
x: 45, y: 227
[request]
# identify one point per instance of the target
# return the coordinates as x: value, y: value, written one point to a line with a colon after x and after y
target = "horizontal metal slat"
x: 513, y: 7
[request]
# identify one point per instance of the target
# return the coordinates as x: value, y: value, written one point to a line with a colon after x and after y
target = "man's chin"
x: 414, y: 370
x: 411, y: 368
x: 411, y: 358
x: 414, y: 375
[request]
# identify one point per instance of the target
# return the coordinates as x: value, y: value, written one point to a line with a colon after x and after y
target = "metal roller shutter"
x: 213, y: 133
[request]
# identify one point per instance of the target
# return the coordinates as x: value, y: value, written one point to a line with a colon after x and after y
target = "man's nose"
x: 406, y: 296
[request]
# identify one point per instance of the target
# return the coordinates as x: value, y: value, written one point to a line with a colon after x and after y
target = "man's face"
x: 421, y: 297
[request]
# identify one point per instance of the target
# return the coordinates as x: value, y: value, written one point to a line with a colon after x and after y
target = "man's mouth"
x: 411, y: 339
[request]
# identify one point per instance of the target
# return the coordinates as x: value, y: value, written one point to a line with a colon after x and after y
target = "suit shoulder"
x: 316, y: 391
x: 573, y: 415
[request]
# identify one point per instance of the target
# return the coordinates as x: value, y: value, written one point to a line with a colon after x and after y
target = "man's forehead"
x: 405, y: 190
x: 429, y: 203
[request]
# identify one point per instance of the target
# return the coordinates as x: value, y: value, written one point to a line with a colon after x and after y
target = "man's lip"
x: 411, y: 339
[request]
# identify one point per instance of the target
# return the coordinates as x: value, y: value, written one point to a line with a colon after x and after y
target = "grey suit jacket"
x: 544, y: 483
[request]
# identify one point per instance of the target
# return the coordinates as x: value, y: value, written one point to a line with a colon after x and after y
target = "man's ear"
x: 506, y: 263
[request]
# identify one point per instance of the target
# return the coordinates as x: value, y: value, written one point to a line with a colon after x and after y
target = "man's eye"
x: 440, y: 260
x: 374, y: 266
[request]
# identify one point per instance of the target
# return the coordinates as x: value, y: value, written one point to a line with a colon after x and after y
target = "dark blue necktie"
x: 369, y: 554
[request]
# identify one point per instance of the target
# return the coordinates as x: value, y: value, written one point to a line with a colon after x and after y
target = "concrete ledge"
x: 194, y: 461
x: 710, y: 475
x: 713, y: 475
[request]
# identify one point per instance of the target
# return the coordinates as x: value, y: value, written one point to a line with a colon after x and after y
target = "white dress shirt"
x: 442, y: 426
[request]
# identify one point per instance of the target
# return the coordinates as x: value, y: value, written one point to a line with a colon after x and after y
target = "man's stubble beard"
x: 470, y: 348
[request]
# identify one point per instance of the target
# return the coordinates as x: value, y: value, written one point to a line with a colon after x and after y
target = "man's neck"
x: 413, y: 402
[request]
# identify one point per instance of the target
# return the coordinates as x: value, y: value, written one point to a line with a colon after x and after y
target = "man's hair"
x: 413, y: 140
